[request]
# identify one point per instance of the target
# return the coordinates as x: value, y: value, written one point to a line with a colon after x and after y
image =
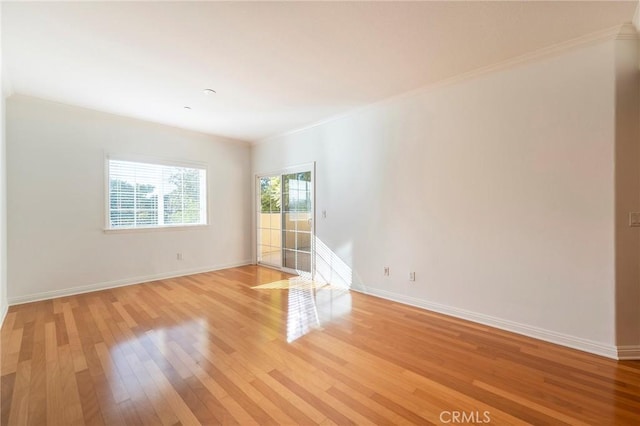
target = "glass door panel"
x: 269, y: 222
x: 297, y: 221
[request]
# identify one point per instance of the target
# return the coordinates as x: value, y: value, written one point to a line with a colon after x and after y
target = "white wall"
x: 56, y: 201
x: 627, y: 197
x: 3, y: 213
x: 497, y: 191
x: 4, y: 92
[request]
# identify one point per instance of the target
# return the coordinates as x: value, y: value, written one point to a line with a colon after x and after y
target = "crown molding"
x: 627, y: 32
x: 619, y: 32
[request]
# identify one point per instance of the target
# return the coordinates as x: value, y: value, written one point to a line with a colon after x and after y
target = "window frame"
x: 156, y: 161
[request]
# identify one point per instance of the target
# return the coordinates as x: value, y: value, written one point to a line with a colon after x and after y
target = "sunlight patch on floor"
x: 296, y: 283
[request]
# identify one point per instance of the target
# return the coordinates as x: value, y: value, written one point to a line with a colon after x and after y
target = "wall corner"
x: 627, y: 196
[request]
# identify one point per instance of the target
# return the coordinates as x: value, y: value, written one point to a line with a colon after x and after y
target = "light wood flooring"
x: 246, y: 346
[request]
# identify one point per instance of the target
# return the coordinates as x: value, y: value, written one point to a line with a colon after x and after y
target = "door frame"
x: 306, y: 167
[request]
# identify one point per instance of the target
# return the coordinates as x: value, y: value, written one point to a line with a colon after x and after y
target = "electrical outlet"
x: 412, y: 276
x: 634, y: 219
x: 386, y: 271
x: 179, y: 256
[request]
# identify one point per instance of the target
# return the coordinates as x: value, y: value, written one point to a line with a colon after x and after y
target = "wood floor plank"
x: 91, y: 413
x: 546, y: 410
x: 19, y: 413
x: 318, y: 397
x: 55, y: 402
x: 104, y: 393
x: 296, y: 415
x: 179, y: 407
x: 116, y: 385
x: 7, y: 382
x: 222, y: 411
x: 11, y: 351
x: 38, y: 381
x: 69, y: 387
x: 162, y: 409
x: 79, y: 363
x: 215, y: 348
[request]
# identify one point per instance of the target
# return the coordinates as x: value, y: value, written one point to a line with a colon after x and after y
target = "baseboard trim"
x: 4, y: 309
x: 629, y: 352
x: 119, y: 283
x: 512, y: 326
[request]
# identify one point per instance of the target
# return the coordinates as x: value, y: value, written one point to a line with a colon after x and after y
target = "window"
x: 145, y: 195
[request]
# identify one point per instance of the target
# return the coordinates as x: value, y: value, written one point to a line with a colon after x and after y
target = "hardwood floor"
x: 247, y: 346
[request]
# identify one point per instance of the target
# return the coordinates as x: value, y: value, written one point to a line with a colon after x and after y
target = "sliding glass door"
x: 297, y: 221
x: 285, y: 220
x: 270, y: 221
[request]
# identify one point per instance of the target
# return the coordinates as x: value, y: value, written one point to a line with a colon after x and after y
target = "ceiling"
x: 276, y: 66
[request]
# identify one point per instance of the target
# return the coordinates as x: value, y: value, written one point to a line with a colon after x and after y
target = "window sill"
x: 154, y: 229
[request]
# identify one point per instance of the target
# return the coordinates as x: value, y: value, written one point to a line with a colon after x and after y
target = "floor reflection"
x: 311, y: 307
x: 311, y: 304
x: 302, y: 314
x: 170, y: 341
x: 332, y: 303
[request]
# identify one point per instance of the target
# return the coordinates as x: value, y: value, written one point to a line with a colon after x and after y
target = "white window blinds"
x: 145, y: 195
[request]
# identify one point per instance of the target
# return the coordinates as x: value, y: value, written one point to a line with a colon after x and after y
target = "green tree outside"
x: 182, y: 204
x: 270, y: 195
